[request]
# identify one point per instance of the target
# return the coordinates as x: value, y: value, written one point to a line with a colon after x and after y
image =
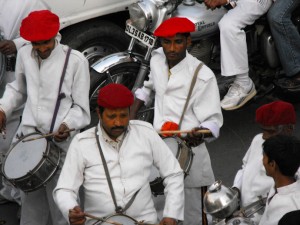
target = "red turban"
x: 39, y: 26
x: 114, y: 96
x: 173, y: 26
x: 276, y: 113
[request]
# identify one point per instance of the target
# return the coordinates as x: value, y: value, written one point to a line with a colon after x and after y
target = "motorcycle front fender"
x: 106, y: 63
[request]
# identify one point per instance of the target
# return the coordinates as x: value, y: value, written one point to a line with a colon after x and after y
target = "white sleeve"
x: 207, y: 107
x: 172, y: 174
x: 79, y: 114
x: 240, y: 173
x: 71, y: 178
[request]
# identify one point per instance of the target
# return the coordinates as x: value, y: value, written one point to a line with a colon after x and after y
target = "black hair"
x: 285, y: 151
x: 101, y: 109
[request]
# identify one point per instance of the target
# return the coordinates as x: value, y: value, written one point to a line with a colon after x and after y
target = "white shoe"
x: 237, y: 96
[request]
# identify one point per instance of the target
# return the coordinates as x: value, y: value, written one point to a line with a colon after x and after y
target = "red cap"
x: 114, y: 96
x: 39, y: 26
x: 276, y: 113
x: 173, y: 26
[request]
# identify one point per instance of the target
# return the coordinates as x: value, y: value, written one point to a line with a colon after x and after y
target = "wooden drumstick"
x: 47, y: 135
x: 183, y: 131
x: 101, y: 219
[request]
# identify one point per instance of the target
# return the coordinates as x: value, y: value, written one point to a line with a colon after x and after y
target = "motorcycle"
x: 131, y: 67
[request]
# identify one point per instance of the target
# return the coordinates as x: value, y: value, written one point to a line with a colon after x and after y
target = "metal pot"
x: 240, y: 221
x: 220, y: 201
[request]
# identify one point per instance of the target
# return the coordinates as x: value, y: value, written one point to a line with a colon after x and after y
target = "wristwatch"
x: 230, y: 4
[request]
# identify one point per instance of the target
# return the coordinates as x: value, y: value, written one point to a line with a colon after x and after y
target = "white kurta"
x: 252, y: 180
x: 170, y: 96
x: 37, y: 87
x: 11, y: 14
x: 286, y: 199
x: 129, y: 170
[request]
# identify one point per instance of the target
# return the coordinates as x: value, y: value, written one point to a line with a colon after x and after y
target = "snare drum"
x: 118, y: 218
x: 184, y: 155
x: 30, y: 165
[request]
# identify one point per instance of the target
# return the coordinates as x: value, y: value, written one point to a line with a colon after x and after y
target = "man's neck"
x: 281, y: 181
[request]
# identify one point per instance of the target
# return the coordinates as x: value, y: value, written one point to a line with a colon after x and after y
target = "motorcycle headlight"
x: 142, y: 15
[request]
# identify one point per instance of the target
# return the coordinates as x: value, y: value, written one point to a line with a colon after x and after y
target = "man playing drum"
x: 113, y: 162
x: 12, y: 12
x: 39, y: 69
x: 251, y: 181
x: 172, y: 72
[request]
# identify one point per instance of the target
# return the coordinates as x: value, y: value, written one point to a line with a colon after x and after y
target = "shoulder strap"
x: 190, y: 92
x: 118, y: 209
x: 60, y: 95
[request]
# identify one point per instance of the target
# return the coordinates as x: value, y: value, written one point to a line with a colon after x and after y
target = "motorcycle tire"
x: 95, y: 39
x: 125, y: 74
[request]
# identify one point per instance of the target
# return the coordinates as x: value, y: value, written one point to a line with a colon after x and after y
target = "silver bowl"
x: 220, y: 201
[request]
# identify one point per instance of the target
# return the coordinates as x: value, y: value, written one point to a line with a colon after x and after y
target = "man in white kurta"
x: 203, y: 111
x: 281, y: 159
x: 11, y: 14
x: 234, y: 55
x: 129, y: 156
x: 251, y: 180
x: 38, y: 71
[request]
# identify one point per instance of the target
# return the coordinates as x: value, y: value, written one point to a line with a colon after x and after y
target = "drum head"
x: 24, y: 156
x: 122, y: 219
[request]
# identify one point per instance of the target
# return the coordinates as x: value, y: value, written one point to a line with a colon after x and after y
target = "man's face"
x: 175, y: 48
x: 114, y: 121
x: 44, y: 48
x: 269, y: 131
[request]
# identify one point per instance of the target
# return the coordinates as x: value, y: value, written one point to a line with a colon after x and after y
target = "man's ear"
x: 98, y: 113
x: 189, y: 40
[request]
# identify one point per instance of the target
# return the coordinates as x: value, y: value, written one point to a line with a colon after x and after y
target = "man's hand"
x: 76, y: 216
x: 194, y: 138
x: 168, y: 221
x: 2, y: 121
x: 61, y: 135
x: 7, y: 47
x: 212, y: 4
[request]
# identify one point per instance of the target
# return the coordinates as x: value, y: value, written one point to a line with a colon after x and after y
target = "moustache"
x: 118, y: 128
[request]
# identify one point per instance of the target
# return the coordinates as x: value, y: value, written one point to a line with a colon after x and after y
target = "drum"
x: 118, y: 219
x: 184, y: 155
x: 240, y: 221
x: 30, y: 165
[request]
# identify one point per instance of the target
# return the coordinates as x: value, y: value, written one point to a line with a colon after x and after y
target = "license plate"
x: 139, y: 35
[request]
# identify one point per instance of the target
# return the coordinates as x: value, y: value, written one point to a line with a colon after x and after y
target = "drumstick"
x: 47, y: 135
x: 183, y: 131
x: 101, y: 219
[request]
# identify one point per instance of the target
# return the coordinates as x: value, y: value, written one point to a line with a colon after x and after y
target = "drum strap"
x: 60, y: 95
x: 204, y: 217
x: 118, y: 209
x: 190, y: 93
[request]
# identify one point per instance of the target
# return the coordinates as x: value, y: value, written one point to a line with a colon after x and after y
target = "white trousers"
x: 39, y: 208
x: 8, y: 191
x: 234, y: 57
x: 192, y: 206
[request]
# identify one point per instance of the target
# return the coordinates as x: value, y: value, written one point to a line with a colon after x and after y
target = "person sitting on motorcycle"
x: 287, y: 40
x: 234, y: 57
x: 172, y: 71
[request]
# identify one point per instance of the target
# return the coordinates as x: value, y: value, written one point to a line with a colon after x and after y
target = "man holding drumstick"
x: 172, y: 72
x: 41, y: 68
x: 112, y: 162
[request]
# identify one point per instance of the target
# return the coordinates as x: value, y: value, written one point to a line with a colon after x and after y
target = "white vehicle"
x: 94, y: 27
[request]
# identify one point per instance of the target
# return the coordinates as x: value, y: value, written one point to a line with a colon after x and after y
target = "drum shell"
x: 41, y: 173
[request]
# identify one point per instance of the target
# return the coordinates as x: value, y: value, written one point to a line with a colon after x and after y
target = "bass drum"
x: 124, y: 73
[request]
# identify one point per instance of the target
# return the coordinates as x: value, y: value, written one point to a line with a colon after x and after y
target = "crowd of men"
x: 112, y: 162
